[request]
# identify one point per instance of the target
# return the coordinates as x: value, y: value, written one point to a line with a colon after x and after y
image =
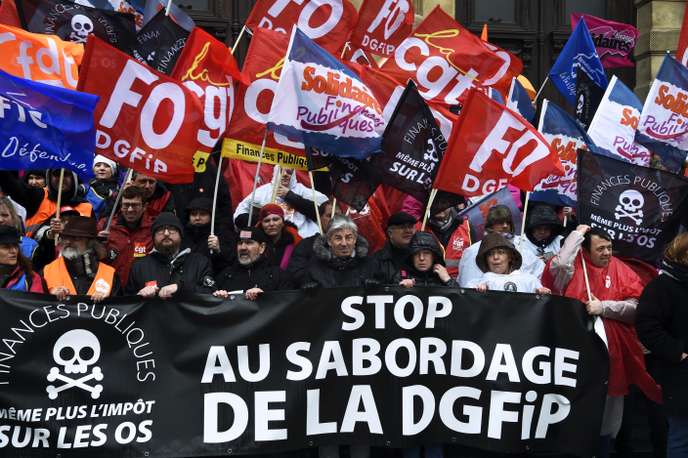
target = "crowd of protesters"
x: 156, y: 240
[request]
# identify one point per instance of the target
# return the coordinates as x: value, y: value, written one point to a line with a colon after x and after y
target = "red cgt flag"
x: 445, y: 60
x: 145, y: 120
x: 382, y: 25
x: 492, y: 146
x: 328, y: 23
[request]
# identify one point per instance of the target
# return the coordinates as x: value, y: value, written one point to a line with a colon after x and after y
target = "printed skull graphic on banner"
x: 630, y: 206
x: 75, y: 352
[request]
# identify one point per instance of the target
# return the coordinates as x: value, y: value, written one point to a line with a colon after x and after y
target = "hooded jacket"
x: 423, y: 241
x: 492, y: 241
x: 305, y: 226
x: 543, y: 215
x: 328, y: 271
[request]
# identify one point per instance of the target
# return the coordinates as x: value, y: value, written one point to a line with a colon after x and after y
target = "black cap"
x: 167, y: 219
x: 252, y: 233
x: 9, y: 235
x: 200, y: 203
x: 401, y: 218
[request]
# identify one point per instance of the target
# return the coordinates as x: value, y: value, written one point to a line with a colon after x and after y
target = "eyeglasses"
x: 131, y: 206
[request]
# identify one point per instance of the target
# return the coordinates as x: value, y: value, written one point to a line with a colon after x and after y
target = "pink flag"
x: 613, y: 40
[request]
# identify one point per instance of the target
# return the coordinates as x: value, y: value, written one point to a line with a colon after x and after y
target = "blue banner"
x: 43, y: 127
x: 519, y: 101
x: 323, y: 104
x: 579, y: 51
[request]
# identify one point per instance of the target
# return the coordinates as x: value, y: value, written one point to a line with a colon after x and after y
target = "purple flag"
x: 613, y: 40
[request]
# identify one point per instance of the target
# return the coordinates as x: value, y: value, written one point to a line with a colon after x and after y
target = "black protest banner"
x: 353, y: 182
x: 639, y: 207
x: 588, y: 97
x: 412, y: 146
x: 198, y: 376
x: 160, y: 43
x: 74, y: 22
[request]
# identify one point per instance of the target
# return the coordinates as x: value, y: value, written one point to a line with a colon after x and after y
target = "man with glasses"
x: 129, y: 236
x: 391, y: 258
x: 168, y: 270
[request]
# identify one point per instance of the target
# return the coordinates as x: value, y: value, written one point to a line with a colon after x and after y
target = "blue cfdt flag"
x: 43, y: 127
x: 323, y: 104
x: 519, y: 100
x: 579, y: 51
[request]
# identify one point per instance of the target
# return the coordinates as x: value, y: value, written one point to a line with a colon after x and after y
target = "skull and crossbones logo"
x: 81, y: 27
x: 431, y: 152
x: 630, y: 206
x: 75, y: 351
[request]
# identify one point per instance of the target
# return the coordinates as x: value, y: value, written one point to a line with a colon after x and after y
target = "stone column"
x: 659, y: 23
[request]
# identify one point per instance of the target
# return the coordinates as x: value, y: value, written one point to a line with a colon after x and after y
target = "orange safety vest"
x: 56, y: 274
x: 48, y: 208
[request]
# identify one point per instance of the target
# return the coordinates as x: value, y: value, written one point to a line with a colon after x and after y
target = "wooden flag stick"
x: 255, y: 178
x: 525, y: 214
x: 585, y: 275
x: 238, y: 40
x: 537, y: 96
x: 276, y: 184
x: 315, y: 202
x: 433, y: 193
x: 127, y: 179
x: 59, y: 200
x: 334, y: 207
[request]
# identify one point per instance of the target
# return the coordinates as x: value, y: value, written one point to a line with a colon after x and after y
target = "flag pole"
x: 315, y: 202
x: 433, y: 193
x: 59, y: 200
x: 344, y: 48
x: 127, y: 179
x: 334, y: 207
x: 168, y: 7
x: 587, y: 279
x: 537, y: 96
x: 525, y: 213
x: 255, y: 178
x: 238, y: 40
x: 219, y: 162
x: 276, y: 184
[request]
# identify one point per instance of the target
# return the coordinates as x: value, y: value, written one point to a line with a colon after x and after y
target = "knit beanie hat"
x: 271, y: 209
x: 167, y: 219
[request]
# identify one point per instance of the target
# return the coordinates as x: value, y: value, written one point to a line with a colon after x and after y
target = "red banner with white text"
x: 145, y: 120
x: 492, y: 146
x: 446, y: 60
x: 382, y: 25
x: 327, y: 22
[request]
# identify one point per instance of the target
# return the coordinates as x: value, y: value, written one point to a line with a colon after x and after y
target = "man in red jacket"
x: 614, y: 289
x: 129, y: 236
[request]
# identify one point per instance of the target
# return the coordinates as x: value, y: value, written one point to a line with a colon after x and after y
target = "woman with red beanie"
x: 283, y: 236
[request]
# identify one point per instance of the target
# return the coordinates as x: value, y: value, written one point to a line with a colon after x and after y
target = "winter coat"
x: 543, y: 215
x: 101, y: 195
x: 125, y: 245
x: 190, y: 271
x: 18, y: 280
x: 389, y: 261
x: 160, y: 201
x: 196, y: 238
x: 329, y: 272
x: 469, y: 270
x: 662, y: 326
x: 455, y: 237
x: 279, y: 254
x: 427, y: 278
x: 260, y: 274
x: 300, y: 259
x: 263, y: 195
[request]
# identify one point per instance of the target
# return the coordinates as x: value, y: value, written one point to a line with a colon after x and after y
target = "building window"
x: 495, y: 11
x: 595, y: 7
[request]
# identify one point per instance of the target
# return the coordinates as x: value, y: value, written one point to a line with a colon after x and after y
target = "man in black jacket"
x: 392, y: 257
x: 251, y: 272
x: 166, y: 270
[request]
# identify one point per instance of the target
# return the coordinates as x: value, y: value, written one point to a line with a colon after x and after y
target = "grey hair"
x: 340, y: 222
